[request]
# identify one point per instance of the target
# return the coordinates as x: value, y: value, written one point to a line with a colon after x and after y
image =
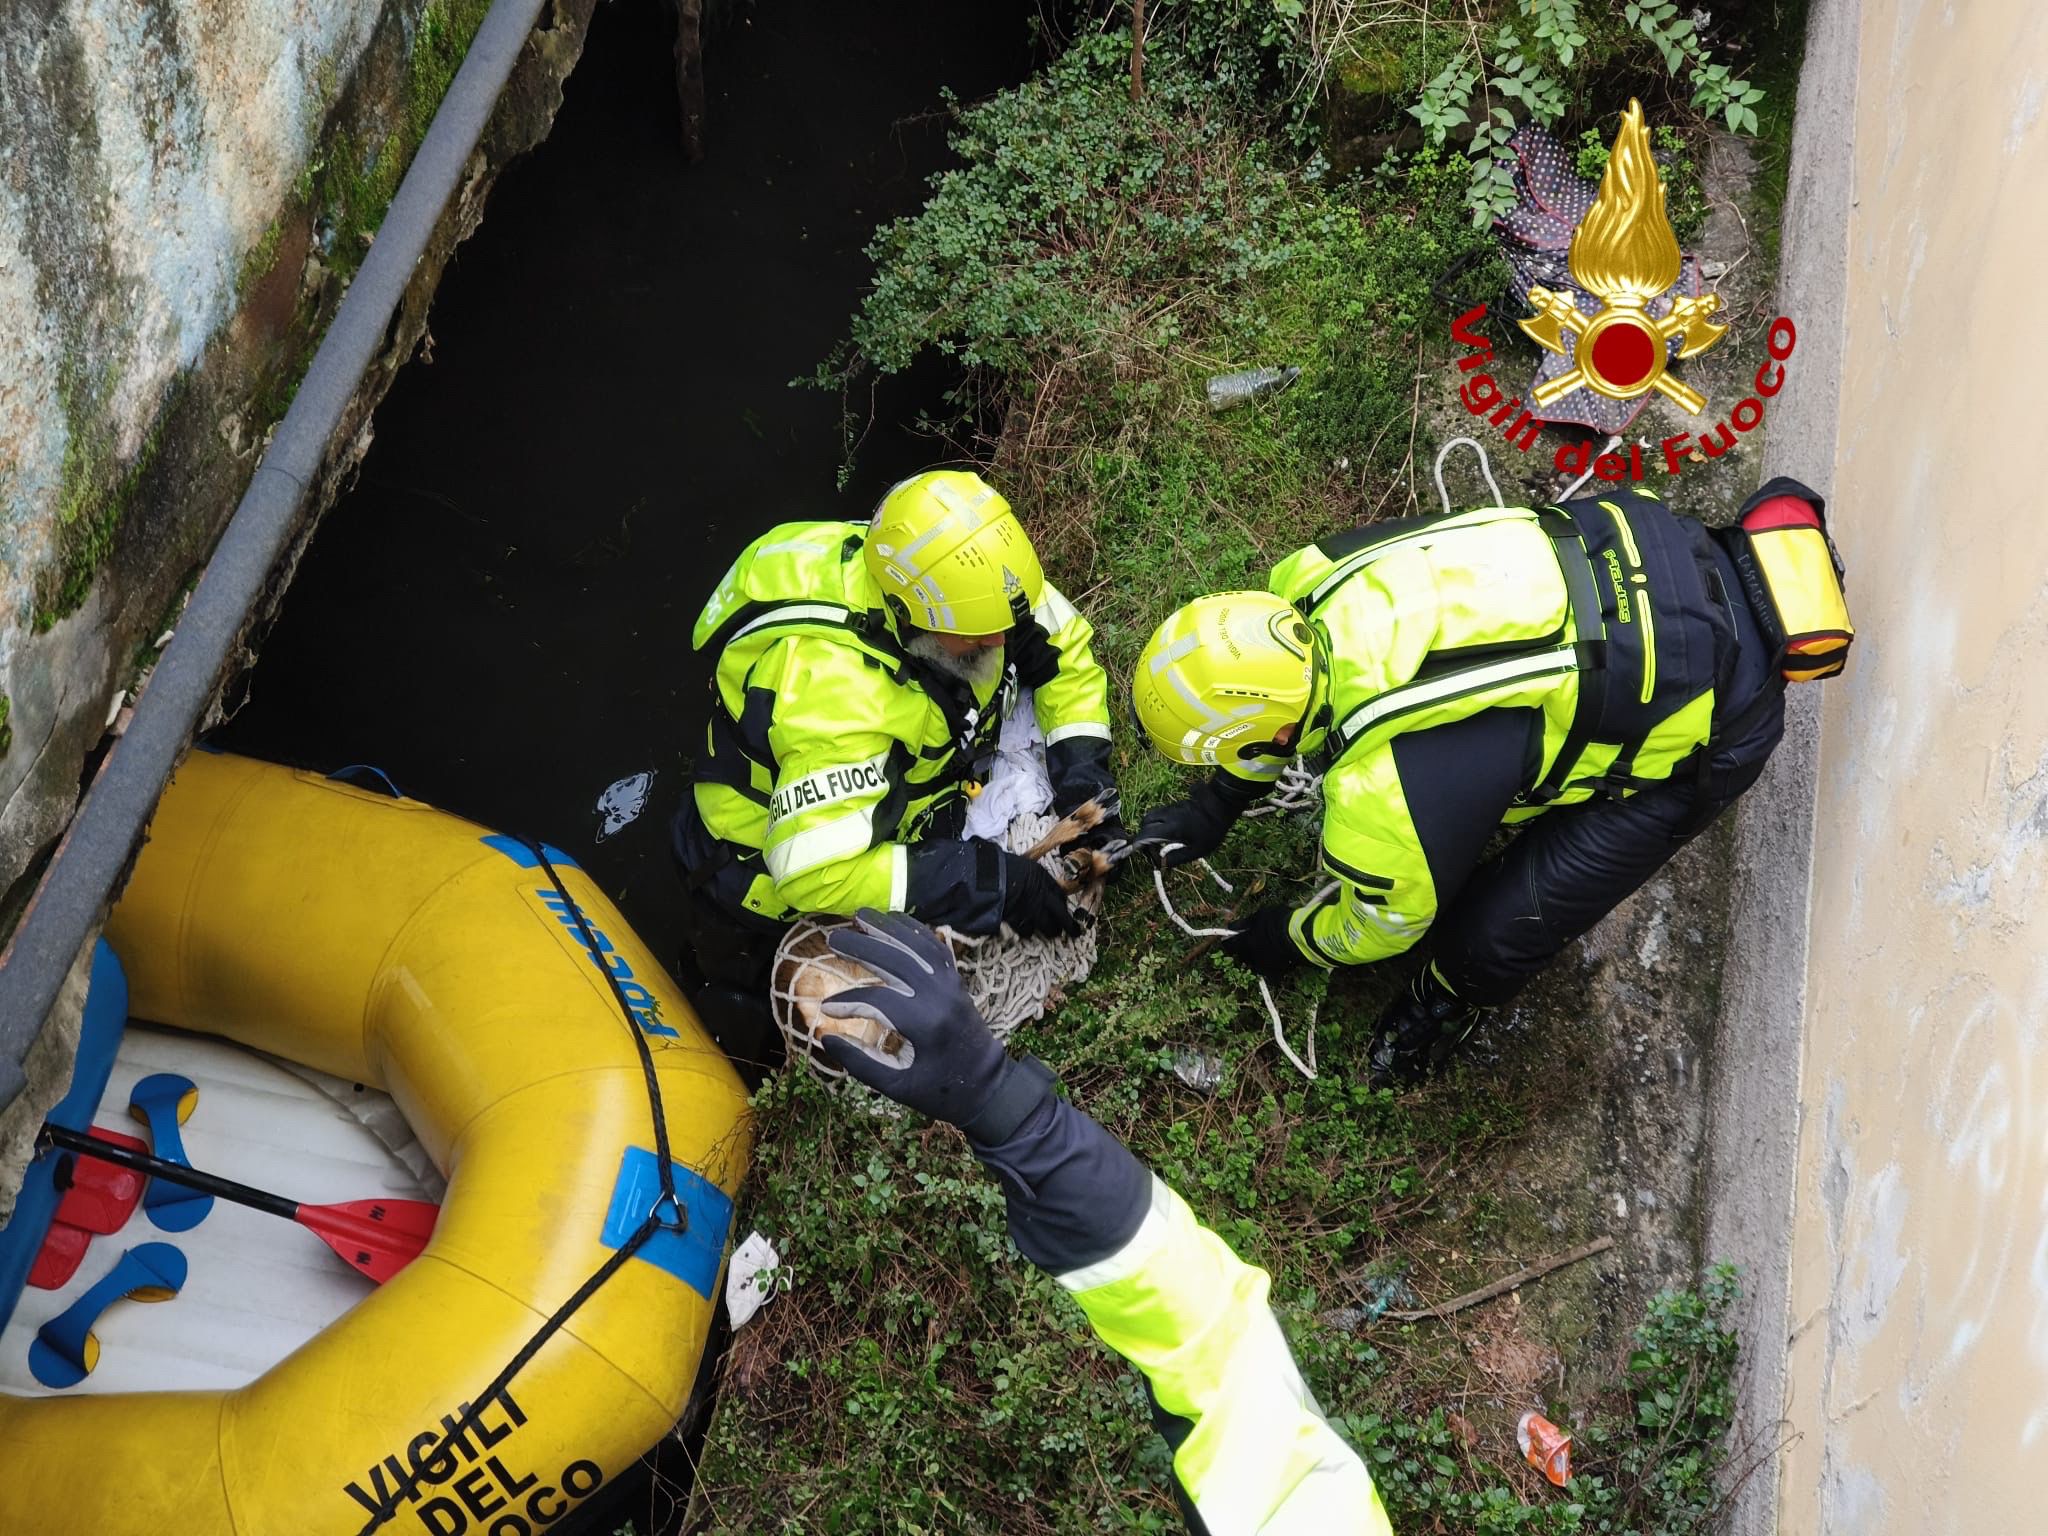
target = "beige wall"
x: 1917, y: 1384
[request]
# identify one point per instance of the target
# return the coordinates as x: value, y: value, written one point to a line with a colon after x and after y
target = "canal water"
x: 498, y: 614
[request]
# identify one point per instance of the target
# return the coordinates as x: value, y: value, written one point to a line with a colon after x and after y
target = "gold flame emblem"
x: 1624, y: 253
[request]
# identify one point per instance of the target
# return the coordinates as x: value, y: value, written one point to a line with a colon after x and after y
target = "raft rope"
x: 1306, y: 1068
x: 667, y: 1215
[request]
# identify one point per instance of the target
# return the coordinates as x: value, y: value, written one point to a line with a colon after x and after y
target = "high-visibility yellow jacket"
x: 1252, y: 1453
x: 832, y: 751
x: 1599, y: 621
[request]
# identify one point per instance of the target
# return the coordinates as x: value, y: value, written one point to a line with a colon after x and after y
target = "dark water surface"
x: 499, y: 614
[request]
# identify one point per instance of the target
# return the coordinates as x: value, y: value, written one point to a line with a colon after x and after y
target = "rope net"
x: 1012, y: 980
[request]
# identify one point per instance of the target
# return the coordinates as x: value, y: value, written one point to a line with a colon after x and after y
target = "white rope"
x: 1485, y: 468
x: 1306, y: 1068
x: 1300, y: 789
x: 1572, y: 490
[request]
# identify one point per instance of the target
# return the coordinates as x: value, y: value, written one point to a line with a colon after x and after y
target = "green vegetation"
x: 1778, y: 71
x: 1088, y: 266
x: 354, y: 179
x: 1510, y: 65
x: 94, y: 489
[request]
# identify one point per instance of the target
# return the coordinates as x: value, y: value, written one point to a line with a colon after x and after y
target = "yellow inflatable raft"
x: 395, y: 945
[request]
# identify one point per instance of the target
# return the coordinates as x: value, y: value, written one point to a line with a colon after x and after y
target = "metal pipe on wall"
x: 71, y: 899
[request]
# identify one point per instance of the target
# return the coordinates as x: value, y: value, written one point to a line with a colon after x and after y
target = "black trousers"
x: 1572, y: 866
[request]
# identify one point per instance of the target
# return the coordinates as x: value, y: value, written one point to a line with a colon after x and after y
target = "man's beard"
x: 979, y: 669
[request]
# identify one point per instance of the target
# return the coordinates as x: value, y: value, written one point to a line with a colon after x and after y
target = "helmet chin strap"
x: 1315, y: 715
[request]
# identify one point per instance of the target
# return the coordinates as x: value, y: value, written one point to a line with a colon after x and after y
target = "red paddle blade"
x: 378, y: 1237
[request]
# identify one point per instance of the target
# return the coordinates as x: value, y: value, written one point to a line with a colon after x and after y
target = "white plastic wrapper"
x: 750, y: 1279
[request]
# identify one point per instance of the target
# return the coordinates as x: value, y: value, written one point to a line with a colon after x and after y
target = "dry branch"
x: 1500, y: 1287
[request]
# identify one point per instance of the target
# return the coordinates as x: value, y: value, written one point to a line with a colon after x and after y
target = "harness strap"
x: 1458, y: 684
x: 1591, y: 628
x: 968, y: 754
x: 865, y: 628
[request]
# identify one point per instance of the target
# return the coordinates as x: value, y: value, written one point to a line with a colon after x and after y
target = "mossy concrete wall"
x: 185, y: 191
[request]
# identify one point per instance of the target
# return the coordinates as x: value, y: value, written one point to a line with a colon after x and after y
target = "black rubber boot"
x: 1420, y: 1031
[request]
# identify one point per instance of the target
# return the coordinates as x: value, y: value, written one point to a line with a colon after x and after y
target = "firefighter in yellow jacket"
x: 1593, y: 669
x: 1252, y: 1452
x: 863, y: 674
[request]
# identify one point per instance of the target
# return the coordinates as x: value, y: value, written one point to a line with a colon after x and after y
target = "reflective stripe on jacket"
x: 1253, y: 1455
x: 1258, y: 1455
x: 1595, y: 620
x: 830, y: 748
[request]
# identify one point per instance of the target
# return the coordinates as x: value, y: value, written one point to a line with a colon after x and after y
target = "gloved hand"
x: 954, y: 1069
x: 1420, y: 1031
x: 1029, y: 648
x: 1199, y: 823
x: 1079, y: 769
x: 1263, y: 943
x: 1033, y: 903
x: 1105, y: 832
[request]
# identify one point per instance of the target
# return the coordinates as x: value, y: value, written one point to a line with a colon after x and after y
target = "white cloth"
x: 1018, y: 784
x: 750, y: 1279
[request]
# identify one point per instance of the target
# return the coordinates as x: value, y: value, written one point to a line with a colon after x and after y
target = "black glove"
x: 954, y: 1069
x: 1033, y: 903
x: 1108, y: 832
x: 1199, y: 823
x: 1029, y: 648
x: 1420, y: 1031
x: 1079, y: 769
x: 1264, y: 945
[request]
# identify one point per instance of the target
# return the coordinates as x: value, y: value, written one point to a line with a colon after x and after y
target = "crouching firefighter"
x: 1606, y: 671
x: 1252, y: 1453
x: 863, y: 674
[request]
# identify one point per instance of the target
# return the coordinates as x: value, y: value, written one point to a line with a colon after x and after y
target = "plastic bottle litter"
x: 1233, y: 389
x: 1545, y: 1447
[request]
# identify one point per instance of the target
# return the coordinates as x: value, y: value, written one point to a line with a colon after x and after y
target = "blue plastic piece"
x: 106, y: 1013
x: 57, y: 1357
x: 169, y: 1206
x: 691, y: 1255
x: 522, y: 855
x: 341, y: 776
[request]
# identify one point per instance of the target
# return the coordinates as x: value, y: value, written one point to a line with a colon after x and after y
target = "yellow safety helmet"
x: 950, y: 554
x: 1224, y: 676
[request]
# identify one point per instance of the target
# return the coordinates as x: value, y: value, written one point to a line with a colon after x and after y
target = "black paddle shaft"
x: 172, y: 1173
